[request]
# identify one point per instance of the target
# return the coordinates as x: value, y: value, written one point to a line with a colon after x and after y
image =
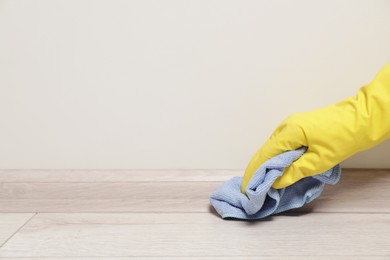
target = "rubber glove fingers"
x: 303, y: 167
x: 287, y: 136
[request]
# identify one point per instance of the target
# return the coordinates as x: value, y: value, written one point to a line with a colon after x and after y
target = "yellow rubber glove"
x: 331, y: 134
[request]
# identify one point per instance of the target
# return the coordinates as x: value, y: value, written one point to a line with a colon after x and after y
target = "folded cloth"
x: 262, y: 200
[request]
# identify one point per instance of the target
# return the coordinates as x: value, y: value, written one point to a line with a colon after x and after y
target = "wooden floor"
x: 166, y: 215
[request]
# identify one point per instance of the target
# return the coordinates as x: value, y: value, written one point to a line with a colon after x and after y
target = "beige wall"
x: 175, y: 83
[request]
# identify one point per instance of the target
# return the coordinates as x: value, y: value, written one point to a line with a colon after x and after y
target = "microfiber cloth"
x: 262, y: 200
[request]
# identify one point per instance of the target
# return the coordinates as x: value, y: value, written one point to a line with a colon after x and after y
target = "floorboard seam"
x: 24, y: 224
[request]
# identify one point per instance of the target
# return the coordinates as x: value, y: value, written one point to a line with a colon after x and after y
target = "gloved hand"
x: 331, y: 134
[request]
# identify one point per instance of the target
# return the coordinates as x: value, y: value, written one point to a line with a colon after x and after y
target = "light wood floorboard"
x: 165, y: 214
x: 358, y: 191
x: 200, y: 235
x: 79, y: 176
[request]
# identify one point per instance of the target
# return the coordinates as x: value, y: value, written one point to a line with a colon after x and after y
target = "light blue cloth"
x: 263, y: 200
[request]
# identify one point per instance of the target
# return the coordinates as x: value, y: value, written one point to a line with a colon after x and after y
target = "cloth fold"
x: 262, y: 200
